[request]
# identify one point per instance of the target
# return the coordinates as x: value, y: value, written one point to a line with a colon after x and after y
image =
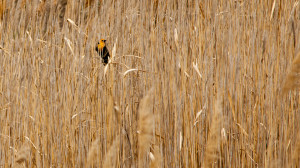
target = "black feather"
x: 104, y: 54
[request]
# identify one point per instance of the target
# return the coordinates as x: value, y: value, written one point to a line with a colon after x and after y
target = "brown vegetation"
x: 189, y: 84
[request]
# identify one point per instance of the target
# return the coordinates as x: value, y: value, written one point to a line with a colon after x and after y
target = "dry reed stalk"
x: 273, y: 7
x: 296, y: 153
x: 111, y: 158
x: 214, y: 137
x: 88, y: 3
x: 176, y: 38
x: 218, y: 36
x: 62, y: 10
x: 29, y: 8
x: 269, y: 158
x: 2, y: 8
x: 145, y: 125
x: 110, y: 72
x: 37, y: 154
x: 292, y: 80
x: 41, y: 8
x: 87, y: 11
x: 111, y: 59
x: 155, y: 157
x: 46, y: 16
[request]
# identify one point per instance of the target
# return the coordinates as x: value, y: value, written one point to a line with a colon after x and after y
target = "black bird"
x: 103, y: 51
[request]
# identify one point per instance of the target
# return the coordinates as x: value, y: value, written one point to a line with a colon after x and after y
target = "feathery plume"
x: 214, y: 137
x: 23, y: 155
x: 146, y: 125
x: 93, y: 152
x: 112, y: 154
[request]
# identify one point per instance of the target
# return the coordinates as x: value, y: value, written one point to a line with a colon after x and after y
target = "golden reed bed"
x: 189, y: 84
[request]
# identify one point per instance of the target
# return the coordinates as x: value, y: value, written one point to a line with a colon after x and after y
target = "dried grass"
x: 155, y: 157
x: 74, y: 112
x: 292, y: 80
x: 296, y: 153
x: 146, y: 125
x: 93, y: 156
x: 213, y: 144
x: 111, y: 158
x: 46, y: 16
x: 23, y: 155
x: 62, y: 10
x: 2, y: 8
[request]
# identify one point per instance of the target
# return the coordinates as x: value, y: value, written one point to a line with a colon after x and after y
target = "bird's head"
x: 100, y: 45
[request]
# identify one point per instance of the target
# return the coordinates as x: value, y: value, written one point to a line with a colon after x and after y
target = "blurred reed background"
x: 190, y: 84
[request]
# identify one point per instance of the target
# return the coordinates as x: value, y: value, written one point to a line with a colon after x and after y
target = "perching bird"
x: 103, y: 51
